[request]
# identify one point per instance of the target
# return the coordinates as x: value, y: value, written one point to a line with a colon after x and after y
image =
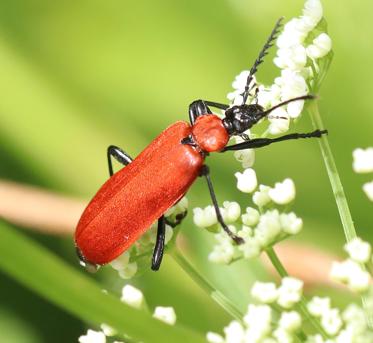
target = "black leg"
x: 159, y: 245
x: 260, y: 142
x: 119, y: 155
x: 200, y: 107
x: 206, y: 172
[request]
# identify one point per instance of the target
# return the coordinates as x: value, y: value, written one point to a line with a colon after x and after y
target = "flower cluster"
x: 301, y: 48
x: 363, y: 163
x: 134, y: 298
x: 261, y: 226
x: 261, y: 323
x: 278, y: 318
x: 137, y: 258
x: 352, y: 271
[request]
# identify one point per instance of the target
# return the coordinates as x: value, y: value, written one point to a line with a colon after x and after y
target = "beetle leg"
x: 178, y: 219
x: 260, y: 142
x: 159, y: 244
x: 119, y: 155
x: 200, y: 107
x: 205, y: 171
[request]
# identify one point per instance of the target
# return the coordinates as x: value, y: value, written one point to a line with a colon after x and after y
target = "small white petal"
x: 317, y: 306
x: 121, y: 262
x: 132, y: 296
x: 290, y: 292
x: 265, y: 292
x: 283, y: 192
x: 246, y: 157
x: 368, y: 189
x: 261, y: 197
x: 251, y: 248
x: 204, y: 217
x: 290, y: 321
x: 251, y: 217
x: 234, y: 332
x: 358, y: 250
x: 331, y: 321
x: 213, y: 337
x: 363, y: 160
x: 323, y: 42
x: 268, y: 228
x: 129, y: 271
x: 108, y: 330
x: 165, y: 314
x: 246, y: 181
x: 93, y: 337
x: 295, y: 108
x: 290, y: 223
x: 313, y: 10
x: 231, y: 211
x: 279, y: 121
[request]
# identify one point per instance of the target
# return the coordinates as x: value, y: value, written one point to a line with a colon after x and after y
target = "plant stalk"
x: 302, y: 307
x: 216, y: 295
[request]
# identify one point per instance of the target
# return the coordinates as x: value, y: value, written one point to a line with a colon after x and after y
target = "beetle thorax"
x: 209, y: 133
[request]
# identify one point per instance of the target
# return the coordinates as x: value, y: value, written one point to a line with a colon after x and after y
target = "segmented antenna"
x: 272, y: 37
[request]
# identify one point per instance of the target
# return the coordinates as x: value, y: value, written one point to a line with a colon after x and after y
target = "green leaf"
x: 46, y: 274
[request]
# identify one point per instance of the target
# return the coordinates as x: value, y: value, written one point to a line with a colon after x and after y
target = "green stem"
x: 217, y: 296
x: 302, y: 303
x: 339, y: 194
x: 335, y: 181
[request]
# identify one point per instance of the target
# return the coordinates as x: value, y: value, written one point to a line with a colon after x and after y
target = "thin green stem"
x: 302, y: 307
x: 217, y: 296
x: 335, y: 181
x: 339, y: 194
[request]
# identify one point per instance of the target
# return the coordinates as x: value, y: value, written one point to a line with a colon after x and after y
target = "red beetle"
x: 136, y: 196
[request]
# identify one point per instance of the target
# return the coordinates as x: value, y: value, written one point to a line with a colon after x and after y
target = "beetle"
x: 139, y: 194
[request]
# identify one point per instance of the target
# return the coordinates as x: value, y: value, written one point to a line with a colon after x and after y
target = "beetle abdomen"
x: 137, y: 195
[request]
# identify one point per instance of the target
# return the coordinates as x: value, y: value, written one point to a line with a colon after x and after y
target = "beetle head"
x: 238, y: 119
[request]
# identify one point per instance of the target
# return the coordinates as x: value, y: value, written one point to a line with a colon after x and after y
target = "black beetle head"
x: 238, y: 119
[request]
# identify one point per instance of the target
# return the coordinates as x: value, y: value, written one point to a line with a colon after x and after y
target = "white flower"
x: 178, y: 208
x: 231, y: 211
x: 268, y: 228
x: 128, y: 271
x: 368, y: 190
x: 290, y: 292
x: 363, y: 160
x: 132, y: 296
x: 108, y: 330
x: 355, y: 319
x: 283, y: 336
x: 251, y: 248
x: 351, y: 273
x: 283, y: 192
x: 331, y: 321
x: 93, y: 337
x: 204, y: 217
x: 279, y: 121
x: 222, y: 253
x: 321, y: 46
x: 261, y: 197
x: 265, y: 292
x: 234, y: 332
x: 246, y: 181
x: 317, y: 306
x: 251, y: 217
x: 245, y: 157
x: 290, y: 321
x: 213, y: 337
x: 258, y: 321
x: 292, y: 34
x: 165, y: 314
x: 293, y: 57
x: 290, y: 223
x: 125, y: 269
x: 313, y: 10
x: 358, y: 250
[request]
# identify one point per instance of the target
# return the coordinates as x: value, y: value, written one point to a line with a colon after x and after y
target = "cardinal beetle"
x: 139, y: 194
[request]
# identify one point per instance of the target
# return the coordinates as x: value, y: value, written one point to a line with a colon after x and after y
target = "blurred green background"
x: 77, y: 76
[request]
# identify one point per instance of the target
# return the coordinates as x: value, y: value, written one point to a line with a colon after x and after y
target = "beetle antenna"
x: 261, y: 115
x: 260, y: 58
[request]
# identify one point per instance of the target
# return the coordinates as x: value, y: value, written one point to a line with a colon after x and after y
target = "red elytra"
x: 137, y: 195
